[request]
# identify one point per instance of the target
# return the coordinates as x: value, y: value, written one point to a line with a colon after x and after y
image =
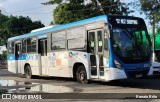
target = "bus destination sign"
x: 127, y: 21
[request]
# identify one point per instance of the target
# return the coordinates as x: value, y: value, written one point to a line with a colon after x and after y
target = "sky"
x: 36, y: 11
x: 32, y: 8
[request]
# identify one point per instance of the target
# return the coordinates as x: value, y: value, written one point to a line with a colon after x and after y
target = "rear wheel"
x: 81, y: 75
x: 28, y: 72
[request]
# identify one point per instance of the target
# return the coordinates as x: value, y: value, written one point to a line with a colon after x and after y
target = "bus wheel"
x: 28, y: 72
x: 81, y: 75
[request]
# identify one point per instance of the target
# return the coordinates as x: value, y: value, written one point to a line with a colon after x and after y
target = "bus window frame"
x: 85, y: 38
x: 31, y: 44
x: 9, y: 48
x: 25, y: 46
x: 18, y: 42
x: 50, y: 41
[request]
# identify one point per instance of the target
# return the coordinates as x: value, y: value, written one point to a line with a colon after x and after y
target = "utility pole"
x: 99, y: 4
x: 153, y: 38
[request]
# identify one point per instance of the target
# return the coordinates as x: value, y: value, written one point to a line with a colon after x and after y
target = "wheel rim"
x: 28, y: 72
x: 82, y: 76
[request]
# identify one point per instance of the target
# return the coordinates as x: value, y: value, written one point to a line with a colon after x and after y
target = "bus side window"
x: 17, y: 50
x: 11, y: 48
x: 42, y: 47
x: 105, y: 40
x: 58, y: 40
x: 24, y: 43
x: 91, y: 41
x: 99, y: 41
x: 106, y: 47
x: 31, y: 45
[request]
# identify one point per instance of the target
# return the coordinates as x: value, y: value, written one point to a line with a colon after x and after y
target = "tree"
x: 3, y: 18
x: 65, y: 13
x: 73, y: 10
x: 158, y: 30
x: 11, y: 26
x: 4, y: 55
x: 151, y: 9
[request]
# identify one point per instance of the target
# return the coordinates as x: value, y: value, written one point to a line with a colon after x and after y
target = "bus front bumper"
x: 115, y: 73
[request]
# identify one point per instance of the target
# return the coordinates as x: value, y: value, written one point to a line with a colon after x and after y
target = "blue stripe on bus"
x: 11, y: 57
x: 23, y: 57
x: 60, y: 27
x: 42, y: 36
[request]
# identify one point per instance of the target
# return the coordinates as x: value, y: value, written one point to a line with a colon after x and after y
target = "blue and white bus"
x: 100, y: 48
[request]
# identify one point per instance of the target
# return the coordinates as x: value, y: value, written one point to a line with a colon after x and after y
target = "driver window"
x: 99, y: 41
x: 91, y: 42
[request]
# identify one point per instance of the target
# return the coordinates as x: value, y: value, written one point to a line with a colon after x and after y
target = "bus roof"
x: 60, y: 27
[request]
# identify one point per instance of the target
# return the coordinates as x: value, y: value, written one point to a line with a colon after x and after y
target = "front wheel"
x: 81, y: 75
x: 28, y: 72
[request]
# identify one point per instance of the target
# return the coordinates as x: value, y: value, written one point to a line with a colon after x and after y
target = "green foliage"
x: 158, y: 30
x: 73, y: 10
x: 66, y: 13
x: 53, y: 2
x: 151, y: 8
x: 11, y: 26
x: 4, y: 55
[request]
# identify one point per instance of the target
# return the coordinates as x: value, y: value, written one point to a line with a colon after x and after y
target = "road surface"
x: 95, y: 92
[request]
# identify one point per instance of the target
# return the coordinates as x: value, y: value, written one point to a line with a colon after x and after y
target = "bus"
x: 102, y: 48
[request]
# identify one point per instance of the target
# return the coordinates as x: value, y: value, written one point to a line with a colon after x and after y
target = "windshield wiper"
x: 127, y: 32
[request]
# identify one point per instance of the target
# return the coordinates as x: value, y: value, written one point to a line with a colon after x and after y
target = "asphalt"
x: 148, y: 85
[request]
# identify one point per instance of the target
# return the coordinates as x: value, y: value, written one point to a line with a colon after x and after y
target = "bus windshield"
x: 130, y: 43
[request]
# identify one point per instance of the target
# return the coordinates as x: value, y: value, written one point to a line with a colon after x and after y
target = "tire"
x: 81, y: 75
x: 28, y: 72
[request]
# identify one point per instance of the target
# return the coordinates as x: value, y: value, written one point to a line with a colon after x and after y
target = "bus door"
x: 95, y: 48
x: 43, y: 52
x: 18, y: 48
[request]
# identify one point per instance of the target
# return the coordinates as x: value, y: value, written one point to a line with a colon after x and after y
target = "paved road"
x: 12, y: 83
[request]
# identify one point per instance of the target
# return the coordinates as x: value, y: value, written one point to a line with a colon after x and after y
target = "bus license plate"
x: 138, y: 75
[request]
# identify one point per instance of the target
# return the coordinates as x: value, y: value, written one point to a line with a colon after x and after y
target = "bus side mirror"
x: 110, y: 26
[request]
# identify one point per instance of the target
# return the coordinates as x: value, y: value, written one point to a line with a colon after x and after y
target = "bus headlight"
x: 150, y: 64
x: 147, y: 65
x: 118, y: 65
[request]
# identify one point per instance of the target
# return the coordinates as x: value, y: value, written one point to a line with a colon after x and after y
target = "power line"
x: 38, y: 25
x: 30, y: 9
x: 23, y: 11
x: 101, y: 8
x: 28, y: 13
x: 49, y: 13
x: 71, y: 10
x: 21, y: 27
x: 52, y: 12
